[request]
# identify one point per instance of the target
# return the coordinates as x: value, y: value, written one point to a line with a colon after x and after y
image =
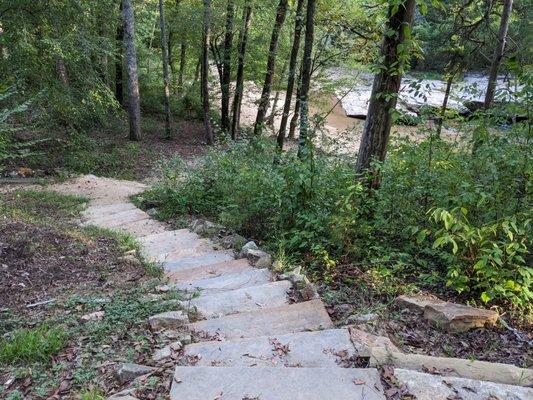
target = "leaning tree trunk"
x: 239, y: 84
x: 166, y: 77
x: 304, y: 145
x: 385, y: 89
x: 444, y: 106
x: 134, y: 108
x: 119, y: 68
x: 226, y: 67
x: 271, y: 64
x: 292, y: 72
x: 209, y: 137
x: 296, y: 116
x: 498, y: 53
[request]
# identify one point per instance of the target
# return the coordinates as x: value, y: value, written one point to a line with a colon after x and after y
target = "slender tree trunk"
x: 134, y: 107
x: 166, y: 77
x: 272, y: 116
x: 61, y: 71
x: 239, y: 84
x: 226, y: 67
x: 499, y: 51
x: 303, y: 145
x: 296, y: 116
x: 170, y: 52
x: 292, y: 72
x: 119, y: 68
x: 209, y: 137
x: 378, y: 122
x: 271, y: 64
x: 198, y: 69
x: 444, y: 107
x: 183, y: 48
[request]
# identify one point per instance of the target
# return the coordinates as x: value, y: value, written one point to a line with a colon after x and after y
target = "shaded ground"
x: 44, y: 255
x: 352, y: 292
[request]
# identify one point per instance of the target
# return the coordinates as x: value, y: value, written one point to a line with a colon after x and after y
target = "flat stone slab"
x: 117, y: 219
x: 364, y: 342
x: 458, y: 317
x: 107, y: 210
x: 143, y: 228
x: 435, y: 387
x: 168, y: 320
x: 327, y: 348
x: 127, y: 372
x: 246, y: 278
x: 478, y: 370
x: 237, y: 383
x: 272, y: 294
x: 299, y: 317
x: 183, y: 248
x: 163, y: 242
x: 210, y: 271
x: 417, y: 303
x: 196, y: 260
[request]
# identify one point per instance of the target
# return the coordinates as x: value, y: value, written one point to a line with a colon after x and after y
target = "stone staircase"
x: 257, y: 344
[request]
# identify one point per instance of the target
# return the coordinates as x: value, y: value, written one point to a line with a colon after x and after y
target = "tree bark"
x: 209, y: 137
x: 378, y: 122
x: 226, y: 67
x: 272, y: 116
x: 271, y: 64
x: 239, y: 84
x: 134, y: 108
x: 61, y: 71
x: 166, y: 77
x: 119, y: 68
x: 499, y: 51
x: 298, y: 25
x: 444, y: 107
x: 296, y: 116
x: 183, y: 48
x: 304, y: 145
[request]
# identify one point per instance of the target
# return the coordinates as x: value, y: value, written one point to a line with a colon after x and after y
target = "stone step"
x: 187, y: 262
x: 273, y: 294
x: 184, y: 248
x: 327, y: 348
x: 243, y: 279
x: 299, y: 317
x: 120, y: 218
x: 142, y: 228
x: 435, y: 387
x: 161, y: 243
x: 102, y: 211
x: 238, y: 383
x: 210, y: 271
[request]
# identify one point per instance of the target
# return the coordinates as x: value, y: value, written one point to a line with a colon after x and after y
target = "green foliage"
x: 31, y: 345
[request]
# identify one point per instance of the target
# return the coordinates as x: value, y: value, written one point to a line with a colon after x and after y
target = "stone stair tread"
x: 214, y: 284
x: 187, y: 262
x: 272, y: 294
x: 435, y: 387
x: 107, y: 210
x: 210, y: 271
x: 142, y: 227
x: 292, y: 318
x: 120, y: 218
x: 327, y: 348
x: 237, y: 383
x: 183, y: 248
x: 161, y: 243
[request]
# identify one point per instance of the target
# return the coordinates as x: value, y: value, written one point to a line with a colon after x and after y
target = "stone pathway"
x: 257, y: 343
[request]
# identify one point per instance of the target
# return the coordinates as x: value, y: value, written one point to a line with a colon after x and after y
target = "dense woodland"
x: 446, y: 213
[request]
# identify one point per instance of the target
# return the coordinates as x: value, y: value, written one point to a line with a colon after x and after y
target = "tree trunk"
x: 444, y: 107
x: 209, y: 137
x: 226, y: 67
x: 271, y: 64
x: 170, y: 37
x: 378, y: 122
x: 61, y: 71
x: 183, y: 48
x: 296, y: 116
x: 166, y: 77
x: 272, y: 116
x: 304, y: 145
x: 498, y: 53
x: 119, y: 69
x: 239, y: 84
x: 134, y: 108
x: 298, y: 25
